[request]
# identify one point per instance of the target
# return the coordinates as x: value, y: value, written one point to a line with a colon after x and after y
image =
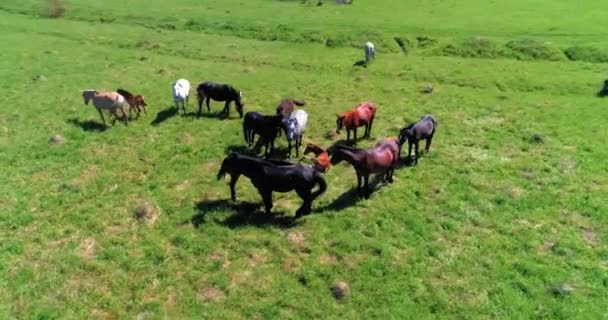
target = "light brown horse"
x: 362, y: 115
x: 383, y: 158
x: 107, y: 100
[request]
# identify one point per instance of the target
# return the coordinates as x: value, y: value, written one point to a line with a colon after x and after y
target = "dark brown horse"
x: 136, y: 102
x: 268, y: 177
x: 362, y: 115
x: 287, y: 105
x: 422, y: 129
x: 383, y: 158
x: 267, y: 127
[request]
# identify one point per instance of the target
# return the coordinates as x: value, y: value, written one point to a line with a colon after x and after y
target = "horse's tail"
x: 298, y: 102
x: 318, y: 179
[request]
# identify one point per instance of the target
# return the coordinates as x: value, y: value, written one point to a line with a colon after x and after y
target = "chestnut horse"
x: 322, y: 162
x: 383, y: 158
x: 135, y: 101
x: 362, y: 115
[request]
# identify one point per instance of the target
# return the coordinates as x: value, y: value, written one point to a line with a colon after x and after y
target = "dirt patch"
x: 340, y: 290
x: 256, y: 258
x: 87, y: 248
x: 102, y: 315
x: 186, y: 139
x: 217, y: 256
x: 589, y: 236
x: 332, y: 135
x: 516, y: 192
x: 327, y: 260
x: 147, y: 213
x: 295, y: 237
x: 249, y: 69
x: 211, y: 294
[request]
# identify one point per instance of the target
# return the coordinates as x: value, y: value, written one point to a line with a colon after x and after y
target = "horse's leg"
x: 409, y: 152
x: 355, y: 137
x: 429, y: 140
x: 347, y: 135
x: 369, y: 130
x: 207, y: 102
x: 200, y: 106
x: 359, y: 191
x: 366, y: 186
x: 227, y: 108
x: 417, y: 151
x: 289, y: 148
x: 233, y: 179
x: 306, y: 195
x: 102, y: 118
x: 267, y: 198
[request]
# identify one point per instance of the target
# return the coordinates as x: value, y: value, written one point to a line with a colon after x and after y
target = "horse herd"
x: 271, y: 175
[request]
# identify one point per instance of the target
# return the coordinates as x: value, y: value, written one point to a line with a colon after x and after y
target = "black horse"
x: 267, y: 127
x: 604, y: 91
x: 219, y: 92
x: 422, y: 129
x: 267, y: 177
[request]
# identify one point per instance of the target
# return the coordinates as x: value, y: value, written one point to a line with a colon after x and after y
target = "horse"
x: 135, y: 101
x: 294, y: 129
x: 266, y: 126
x: 268, y: 177
x: 287, y: 105
x: 181, y: 93
x: 219, y: 92
x: 362, y: 115
x: 322, y: 163
x: 106, y: 100
x: 383, y: 158
x: 604, y: 91
x: 422, y: 129
x: 370, y: 52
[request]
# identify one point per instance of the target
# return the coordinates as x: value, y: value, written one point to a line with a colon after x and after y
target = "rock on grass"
x: 57, y: 139
x: 340, y: 290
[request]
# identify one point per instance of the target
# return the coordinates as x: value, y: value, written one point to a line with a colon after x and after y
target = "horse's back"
x: 301, y: 116
x: 181, y: 89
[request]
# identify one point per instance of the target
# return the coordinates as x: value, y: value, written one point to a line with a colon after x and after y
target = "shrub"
x: 532, y: 49
x: 476, y: 47
x: 586, y: 53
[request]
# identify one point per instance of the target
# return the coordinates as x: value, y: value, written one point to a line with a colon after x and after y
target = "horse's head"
x: 604, y: 91
x: 227, y: 164
x: 322, y: 162
x: 87, y: 95
x: 404, y: 134
x: 339, y: 122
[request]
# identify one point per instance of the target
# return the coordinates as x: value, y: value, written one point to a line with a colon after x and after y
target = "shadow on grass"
x: 351, y: 197
x: 255, y: 151
x: 87, y: 125
x: 244, y: 214
x: 360, y: 63
x: 164, y: 115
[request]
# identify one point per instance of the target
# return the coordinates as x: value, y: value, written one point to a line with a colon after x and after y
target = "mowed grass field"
x: 490, y: 224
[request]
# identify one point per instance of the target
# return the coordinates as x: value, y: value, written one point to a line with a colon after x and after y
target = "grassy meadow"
x: 491, y: 224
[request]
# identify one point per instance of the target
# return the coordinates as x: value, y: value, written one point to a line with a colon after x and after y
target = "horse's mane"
x: 125, y: 93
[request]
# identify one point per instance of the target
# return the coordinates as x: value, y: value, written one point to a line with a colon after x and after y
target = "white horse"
x: 370, y: 52
x: 294, y: 129
x: 110, y: 100
x: 181, y: 92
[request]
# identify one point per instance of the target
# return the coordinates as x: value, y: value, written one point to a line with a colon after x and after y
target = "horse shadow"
x: 360, y: 63
x: 195, y: 114
x: 244, y: 214
x: 276, y: 154
x: 351, y: 197
x: 88, y: 125
x: 164, y: 115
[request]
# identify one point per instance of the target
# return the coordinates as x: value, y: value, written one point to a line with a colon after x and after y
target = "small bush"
x: 477, y: 47
x: 425, y: 42
x: 586, y: 53
x: 403, y: 43
x: 54, y: 9
x: 532, y: 49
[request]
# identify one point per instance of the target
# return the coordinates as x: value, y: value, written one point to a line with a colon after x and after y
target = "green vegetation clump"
x: 54, y: 9
x: 532, y: 49
x: 587, y: 53
x: 474, y: 47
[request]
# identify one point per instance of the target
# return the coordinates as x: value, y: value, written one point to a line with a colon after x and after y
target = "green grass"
x: 485, y: 226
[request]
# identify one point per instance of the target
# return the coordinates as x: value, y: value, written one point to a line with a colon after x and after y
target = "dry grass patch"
x: 211, y: 294
x: 87, y: 248
x: 147, y: 213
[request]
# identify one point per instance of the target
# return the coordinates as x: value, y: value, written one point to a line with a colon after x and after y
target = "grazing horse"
x: 267, y: 127
x: 383, y: 158
x: 362, y: 115
x: 111, y: 101
x: 268, y: 177
x: 370, y: 52
x: 135, y: 101
x: 422, y: 129
x: 287, y: 106
x: 604, y: 91
x: 181, y: 93
x: 294, y: 129
x: 322, y: 162
x: 219, y: 92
